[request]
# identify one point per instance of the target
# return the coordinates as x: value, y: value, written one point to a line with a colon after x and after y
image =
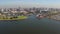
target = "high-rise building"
x: 2, y: 10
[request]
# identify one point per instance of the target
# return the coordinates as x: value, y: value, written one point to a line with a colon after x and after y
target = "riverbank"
x: 18, y: 18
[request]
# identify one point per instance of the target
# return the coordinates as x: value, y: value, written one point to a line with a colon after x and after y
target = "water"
x: 30, y: 26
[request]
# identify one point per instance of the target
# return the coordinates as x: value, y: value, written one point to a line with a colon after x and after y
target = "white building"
x: 2, y: 10
x: 14, y: 11
x: 23, y: 12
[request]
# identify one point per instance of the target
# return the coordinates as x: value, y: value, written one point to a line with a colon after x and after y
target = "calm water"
x: 30, y: 26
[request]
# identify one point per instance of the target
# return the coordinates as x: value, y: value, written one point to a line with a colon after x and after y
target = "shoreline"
x: 54, y: 17
x: 19, y: 18
x: 12, y: 19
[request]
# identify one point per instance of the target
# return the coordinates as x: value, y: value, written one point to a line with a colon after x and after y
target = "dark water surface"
x: 30, y: 26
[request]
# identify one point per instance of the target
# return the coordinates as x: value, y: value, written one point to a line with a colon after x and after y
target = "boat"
x: 40, y: 16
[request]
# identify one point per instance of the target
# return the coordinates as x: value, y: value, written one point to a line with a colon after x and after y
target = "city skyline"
x: 29, y: 3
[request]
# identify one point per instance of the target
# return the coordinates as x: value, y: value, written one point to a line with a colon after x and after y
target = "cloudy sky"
x: 30, y: 3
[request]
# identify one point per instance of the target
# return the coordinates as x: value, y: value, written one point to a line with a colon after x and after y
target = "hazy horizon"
x: 29, y: 3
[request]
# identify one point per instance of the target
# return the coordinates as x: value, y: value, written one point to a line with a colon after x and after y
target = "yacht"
x: 40, y: 16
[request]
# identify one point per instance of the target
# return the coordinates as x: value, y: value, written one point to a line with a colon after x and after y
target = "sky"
x: 30, y: 3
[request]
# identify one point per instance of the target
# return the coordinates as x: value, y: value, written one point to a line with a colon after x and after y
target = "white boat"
x: 39, y: 16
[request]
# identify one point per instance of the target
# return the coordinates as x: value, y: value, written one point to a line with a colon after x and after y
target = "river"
x: 32, y: 25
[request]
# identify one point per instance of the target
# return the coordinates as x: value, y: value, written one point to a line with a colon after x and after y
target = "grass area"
x: 22, y: 17
x: 18, y: 18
